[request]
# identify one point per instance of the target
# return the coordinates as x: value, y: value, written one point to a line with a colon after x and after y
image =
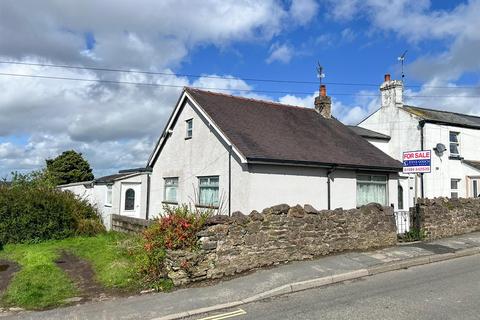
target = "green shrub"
x: 32, y: 211
x: 414, y: 235
x: 174, y: 231
x: 90, y: 227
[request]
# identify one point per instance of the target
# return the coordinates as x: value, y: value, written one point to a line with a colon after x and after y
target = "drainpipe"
x: 148, y: 197
x: 329, y: 197
x: 230, y: 181
x: 422, y: 138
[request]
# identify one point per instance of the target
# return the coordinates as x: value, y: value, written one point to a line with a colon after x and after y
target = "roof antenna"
x: 402, y: 59
x: 320, y: 74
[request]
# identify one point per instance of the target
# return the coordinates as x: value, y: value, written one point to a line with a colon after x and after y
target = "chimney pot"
x: 387, y: 77
x: 323, y: 90
x: 323, y: 103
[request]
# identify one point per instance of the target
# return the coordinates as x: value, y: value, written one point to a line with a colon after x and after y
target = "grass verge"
x: 42, y: 284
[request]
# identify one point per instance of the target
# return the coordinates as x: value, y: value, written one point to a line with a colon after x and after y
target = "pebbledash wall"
x: 443, y: 217
x: 277, y: 235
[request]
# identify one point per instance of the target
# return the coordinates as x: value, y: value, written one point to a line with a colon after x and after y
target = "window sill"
x: 206, y: 206
x: 455, y: 158
x: 188, y: 138
x: 108, y: 205
x: 170, y: 202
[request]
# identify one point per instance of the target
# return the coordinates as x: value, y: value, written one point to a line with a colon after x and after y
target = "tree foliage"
x: 69, y: 167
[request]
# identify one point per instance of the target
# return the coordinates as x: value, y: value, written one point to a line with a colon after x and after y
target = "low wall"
x: 129, y: 224
x: 443, y: 217
x: 277, y: 235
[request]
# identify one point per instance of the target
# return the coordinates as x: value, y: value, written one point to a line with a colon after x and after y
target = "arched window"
x: 400, y: 197
x: 129, y: 199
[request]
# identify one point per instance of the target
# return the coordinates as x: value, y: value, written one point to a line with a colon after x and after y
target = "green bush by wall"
x: 33, y: 212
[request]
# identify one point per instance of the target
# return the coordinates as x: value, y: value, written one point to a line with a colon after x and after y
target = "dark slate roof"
x: 265, y: 131
x: 475, y: 164
x: 111, y: 178
x: 369, y: 133
x: 135, y: 170
x: 445, y: 117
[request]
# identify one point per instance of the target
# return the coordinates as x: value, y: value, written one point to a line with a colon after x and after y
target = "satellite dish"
x: 440, y: 149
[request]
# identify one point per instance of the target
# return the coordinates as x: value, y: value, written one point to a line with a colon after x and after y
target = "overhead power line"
x: 151, y: 84
x: 173, y: 74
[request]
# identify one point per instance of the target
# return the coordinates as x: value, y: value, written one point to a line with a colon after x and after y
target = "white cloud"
x: 302, y: 11
x: 415, y: 21
x: 280, y: 52
x: 115, y: 126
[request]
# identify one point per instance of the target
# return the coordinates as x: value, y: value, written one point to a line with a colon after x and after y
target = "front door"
x: 130, y: 199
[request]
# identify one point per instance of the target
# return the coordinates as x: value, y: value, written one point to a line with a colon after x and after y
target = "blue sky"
x: 115, y: 126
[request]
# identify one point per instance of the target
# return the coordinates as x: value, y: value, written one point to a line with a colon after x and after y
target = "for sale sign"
x: 417, y: 161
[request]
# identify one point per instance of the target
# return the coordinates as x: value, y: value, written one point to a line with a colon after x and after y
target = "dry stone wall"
x: 443, y: 217
x: 231, y: 245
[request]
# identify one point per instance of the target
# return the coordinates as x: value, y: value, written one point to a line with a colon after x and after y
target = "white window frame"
x: 170, y: 182
x: 454, y: 190
x: 189, y: 128
x: 372, y: 181
x: 109, y: 194
x: 210, y: 185
x: 456, y: 143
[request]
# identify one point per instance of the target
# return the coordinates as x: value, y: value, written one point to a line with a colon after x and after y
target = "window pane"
x: 454, y: 195
x: 109, y: 195
x: 454, y: 184
x: 453, y: 148
x: 453, y: 136
x: 209, y: 191
x: 129, y: 199
x: 400, y: 197
x: 363, y: 178
x: 367, y: 193
x: 189, y: 128
x: 475, y: 189
x: 170, y: 191
x: 379, y: 178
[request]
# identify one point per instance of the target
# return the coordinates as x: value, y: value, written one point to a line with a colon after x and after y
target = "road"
x: 444, y: 290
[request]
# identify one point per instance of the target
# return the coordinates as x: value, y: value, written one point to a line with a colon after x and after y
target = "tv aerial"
x: 320, y: 74
x: 402, y: 59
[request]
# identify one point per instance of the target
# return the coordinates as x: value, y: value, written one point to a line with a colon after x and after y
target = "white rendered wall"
x: 96, y: 196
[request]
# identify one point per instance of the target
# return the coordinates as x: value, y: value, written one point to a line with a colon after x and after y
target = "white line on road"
x: 232, y: 314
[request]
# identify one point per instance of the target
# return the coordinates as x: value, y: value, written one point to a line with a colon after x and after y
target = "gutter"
x: 323, y: 165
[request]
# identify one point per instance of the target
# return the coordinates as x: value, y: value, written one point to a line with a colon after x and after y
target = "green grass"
x: 41, y: 284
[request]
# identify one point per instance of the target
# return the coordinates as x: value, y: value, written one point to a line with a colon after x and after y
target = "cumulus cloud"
x: 415, y: 21
x: 114, y: 125
x: 280, y: 52
x: 302, y: 11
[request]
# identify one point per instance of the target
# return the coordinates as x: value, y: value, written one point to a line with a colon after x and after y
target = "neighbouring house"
x: 453, y: 139
x: 124, y: 193
x: 239, y: 154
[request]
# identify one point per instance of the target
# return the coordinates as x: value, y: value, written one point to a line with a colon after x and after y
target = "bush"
x: 174, y: 231
x: 32, y: 211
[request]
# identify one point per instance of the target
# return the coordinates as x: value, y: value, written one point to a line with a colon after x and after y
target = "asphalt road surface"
x: 443, y: 290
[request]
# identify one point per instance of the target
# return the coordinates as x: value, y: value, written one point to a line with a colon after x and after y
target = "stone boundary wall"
x: 443, y: 217
x: 231, y: 245
x: 129, y: 224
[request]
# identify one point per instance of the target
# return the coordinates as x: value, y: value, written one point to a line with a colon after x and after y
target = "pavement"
x: 444, y: 290
x: 265, y: 283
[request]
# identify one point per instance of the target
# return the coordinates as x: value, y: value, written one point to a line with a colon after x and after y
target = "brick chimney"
x: 392, y: 92
x: 323, y: 103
